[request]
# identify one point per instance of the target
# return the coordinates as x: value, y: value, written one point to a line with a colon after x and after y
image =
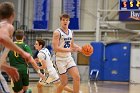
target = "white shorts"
x: 63, y: 64
x: 3, y: 85
x: 51, y: 77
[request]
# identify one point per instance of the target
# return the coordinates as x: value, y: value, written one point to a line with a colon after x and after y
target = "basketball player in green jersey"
x: 20, y: 63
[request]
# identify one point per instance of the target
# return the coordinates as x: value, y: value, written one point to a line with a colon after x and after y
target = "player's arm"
x: 55, y: 43
x: 5, y: 39
x: 4, y: 55
x: 35, y: 66
x: 44, y: 65
x: 11, y: 71
x: 36, y: 60
x: 75, y: 47
x: 7, y: 42
x: 32, y: 61
x: 42, y: 58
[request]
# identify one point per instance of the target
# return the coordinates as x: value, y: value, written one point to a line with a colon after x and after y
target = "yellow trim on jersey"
x: 19, y: 41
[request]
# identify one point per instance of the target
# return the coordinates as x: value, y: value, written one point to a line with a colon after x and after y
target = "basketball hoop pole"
x: 98, y: 33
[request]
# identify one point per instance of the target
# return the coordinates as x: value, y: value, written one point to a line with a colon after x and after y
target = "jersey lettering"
x: 67, y: 44
x: 16, y: 54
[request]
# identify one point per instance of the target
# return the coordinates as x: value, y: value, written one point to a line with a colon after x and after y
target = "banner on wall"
x: 72, y: 7
x: 41, y: 14
x: 130, y: 10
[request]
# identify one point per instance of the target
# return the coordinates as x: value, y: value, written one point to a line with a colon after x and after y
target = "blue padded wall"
x: 117, y: 62
x: 96, y: 59
x: 112, y: 61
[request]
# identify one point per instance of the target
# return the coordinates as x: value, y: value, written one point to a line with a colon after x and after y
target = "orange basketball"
x: 87, y: 50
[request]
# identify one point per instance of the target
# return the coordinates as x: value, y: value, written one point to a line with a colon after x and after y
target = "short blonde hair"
x: 64, y: 16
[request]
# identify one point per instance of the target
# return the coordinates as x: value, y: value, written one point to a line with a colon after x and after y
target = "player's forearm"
x: 59, y: 49
x: 43, y: 67
x: 78, y: 47
x: 4, y: 54
x: 4, y: 66
x: 35, y: 66
x: 7, y: 42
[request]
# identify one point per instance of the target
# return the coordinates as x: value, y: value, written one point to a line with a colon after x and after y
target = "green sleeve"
x: 28, y: 49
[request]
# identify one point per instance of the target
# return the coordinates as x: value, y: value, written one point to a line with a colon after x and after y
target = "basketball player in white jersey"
x: 63, y: 45
x: 7, y: 15
x: 44, y: 57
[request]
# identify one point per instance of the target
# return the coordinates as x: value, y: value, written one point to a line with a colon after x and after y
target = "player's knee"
x: 39, y: 85
x: 76, y: 78
x: 64, y: 83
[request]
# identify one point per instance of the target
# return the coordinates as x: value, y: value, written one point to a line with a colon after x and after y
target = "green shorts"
x: 23, y: 81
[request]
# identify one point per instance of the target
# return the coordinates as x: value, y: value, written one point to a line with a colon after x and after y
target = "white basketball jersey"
x: 44, y: 54
x: 65, y: 42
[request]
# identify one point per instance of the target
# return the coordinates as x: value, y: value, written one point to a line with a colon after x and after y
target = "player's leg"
x: 22, y: 84
x: 76, y: 78
x: 73, y: 71
x: 18, y: 87
x: 40, y: 87
x: 25, y: 88
x: 64, y: 82
x: 25, y: 81
x: 66, y: 88
x: 61, y: 65
x: 54, y: 78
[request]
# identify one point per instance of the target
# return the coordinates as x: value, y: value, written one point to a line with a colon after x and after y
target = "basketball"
x: 87, y: 50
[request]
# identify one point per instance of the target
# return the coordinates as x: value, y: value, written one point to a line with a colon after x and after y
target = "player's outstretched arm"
x: 75, y: 47
x: 11, y: 71
x: 36, y: 67
x: 7, y: 42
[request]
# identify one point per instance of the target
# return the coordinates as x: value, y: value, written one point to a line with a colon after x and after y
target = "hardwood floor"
x: 92, y: 87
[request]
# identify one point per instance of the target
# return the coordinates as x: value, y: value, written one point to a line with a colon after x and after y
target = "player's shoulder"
x: 43, y: 50
x: 7, y: 26
x: 57, y: 32
x: 70, y: 30
x: 10, y: 28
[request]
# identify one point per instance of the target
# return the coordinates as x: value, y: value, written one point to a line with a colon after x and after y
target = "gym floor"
x: 92, y: 87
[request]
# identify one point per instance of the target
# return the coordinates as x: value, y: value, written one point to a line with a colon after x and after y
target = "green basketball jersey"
x: 16, y: 59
